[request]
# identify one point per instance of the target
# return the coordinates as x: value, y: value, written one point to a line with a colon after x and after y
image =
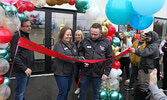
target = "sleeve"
x: 81, y: 49
x: 160, y: 48
x: 148, y: 50
x: 157, y: 93
x: 58, y: 48
x: 17, y: 60
x: 109, y: 54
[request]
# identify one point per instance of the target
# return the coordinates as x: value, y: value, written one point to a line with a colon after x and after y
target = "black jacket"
x: 99, y: 49
x: 24, y: 57
x: 64, y: 67
x: 150, y: 53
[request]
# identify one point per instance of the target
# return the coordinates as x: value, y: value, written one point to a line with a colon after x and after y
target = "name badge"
x: 89, y: 47
x: 65, y: 48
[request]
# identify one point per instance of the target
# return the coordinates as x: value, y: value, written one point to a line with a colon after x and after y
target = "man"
x: 138, y: 44
x: 163, y: 53
x: 95, y: 46
x: 147, y: 63
x: 153, y: 87
x: 23, y: 60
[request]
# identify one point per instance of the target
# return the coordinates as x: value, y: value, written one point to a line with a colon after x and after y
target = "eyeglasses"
x: 27, y: 26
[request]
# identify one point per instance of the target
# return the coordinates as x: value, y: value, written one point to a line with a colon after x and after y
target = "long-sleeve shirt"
x: 157, y: 93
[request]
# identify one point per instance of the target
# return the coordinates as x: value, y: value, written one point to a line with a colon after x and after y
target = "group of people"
x: 144, y: 55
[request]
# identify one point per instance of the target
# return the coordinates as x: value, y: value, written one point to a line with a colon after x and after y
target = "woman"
x: 125, y: 43
x: 78, y: 38
x: 63, y: 69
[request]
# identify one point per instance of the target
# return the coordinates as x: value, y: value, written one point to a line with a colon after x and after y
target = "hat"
x: 148, y: 33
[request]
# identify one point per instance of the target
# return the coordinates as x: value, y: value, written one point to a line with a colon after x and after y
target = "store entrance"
x: 46, y: 24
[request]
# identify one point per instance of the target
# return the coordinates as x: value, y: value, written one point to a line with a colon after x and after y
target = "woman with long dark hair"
x: 63, y: 69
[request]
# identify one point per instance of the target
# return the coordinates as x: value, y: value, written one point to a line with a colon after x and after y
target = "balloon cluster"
x: 108, y: 30
x: 121, y: 12
x: 109, y: 90
x: 4, y: 81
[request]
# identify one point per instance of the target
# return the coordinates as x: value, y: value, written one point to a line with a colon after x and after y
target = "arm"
x: 157, y: 93
x: 160, y: 48
x: 109, y: 54
x: 18, y: 60
x: 58, y: 48
x: 148, y: 50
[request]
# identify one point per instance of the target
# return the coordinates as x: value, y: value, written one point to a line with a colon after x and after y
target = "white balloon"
x: 39, y: 3
x: 4, y: 66
x: 3, y: 45
x: 92, y: 13
x: 11, y: 23
x: 4, y: 92
x: 119, y: 71
x: 113, y: 73
x: 112, y: 84
x: 94, y: 2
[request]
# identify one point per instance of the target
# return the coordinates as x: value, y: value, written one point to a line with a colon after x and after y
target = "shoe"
x: 78, y: 96
x: 120, y: 79
x: 129, y: 88
x: 126, y: 82
x: 77, y: 91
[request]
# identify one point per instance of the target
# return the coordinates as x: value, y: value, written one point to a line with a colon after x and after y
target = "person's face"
x: 166, y: 37
x: 67, y: 36
x: 148, y: 38
x: 120, y: 35
x: 143, y: 36
x: 26, y: 27
x: 95, y: 33
x: 78, y: 37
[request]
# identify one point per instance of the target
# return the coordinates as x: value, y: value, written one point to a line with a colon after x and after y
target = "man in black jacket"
x: 23, y: 60
x: 95, y: 46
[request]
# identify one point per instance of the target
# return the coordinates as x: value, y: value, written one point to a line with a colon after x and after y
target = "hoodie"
x: 150, y: 53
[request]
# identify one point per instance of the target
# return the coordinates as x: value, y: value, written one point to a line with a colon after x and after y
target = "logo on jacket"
x: 89, y: 46
x: 102, y: 48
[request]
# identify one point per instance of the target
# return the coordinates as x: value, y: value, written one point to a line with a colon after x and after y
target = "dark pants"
x: 165, y: 74
x: 64, y: 84
x: 85, y: 84
x: 77, y: 70
x: 134, y: 75
x: 125, y: 61
x: 21, y: 84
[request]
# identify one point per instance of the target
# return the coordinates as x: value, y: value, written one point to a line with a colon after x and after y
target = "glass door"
x: 37, y: 35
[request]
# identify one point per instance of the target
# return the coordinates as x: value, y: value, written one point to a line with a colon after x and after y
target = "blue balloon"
x: 140, y: 22
x: 119, y: 11
x: 147, y: 7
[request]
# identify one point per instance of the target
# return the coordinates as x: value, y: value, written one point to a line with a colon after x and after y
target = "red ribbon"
x: 40, y: 49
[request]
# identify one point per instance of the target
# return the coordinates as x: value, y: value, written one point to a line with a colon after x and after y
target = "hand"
x: 86, y: 64
x: 28, y: 71
x: 153, y: 77
x: 104, y: 77
x: 132, y: 50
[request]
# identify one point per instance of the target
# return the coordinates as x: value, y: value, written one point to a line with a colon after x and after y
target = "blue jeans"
x: 133, y: 75
x: 85, y: 84
x: 21, y: 84
x: 77, y: 70
x: 64, y: 84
